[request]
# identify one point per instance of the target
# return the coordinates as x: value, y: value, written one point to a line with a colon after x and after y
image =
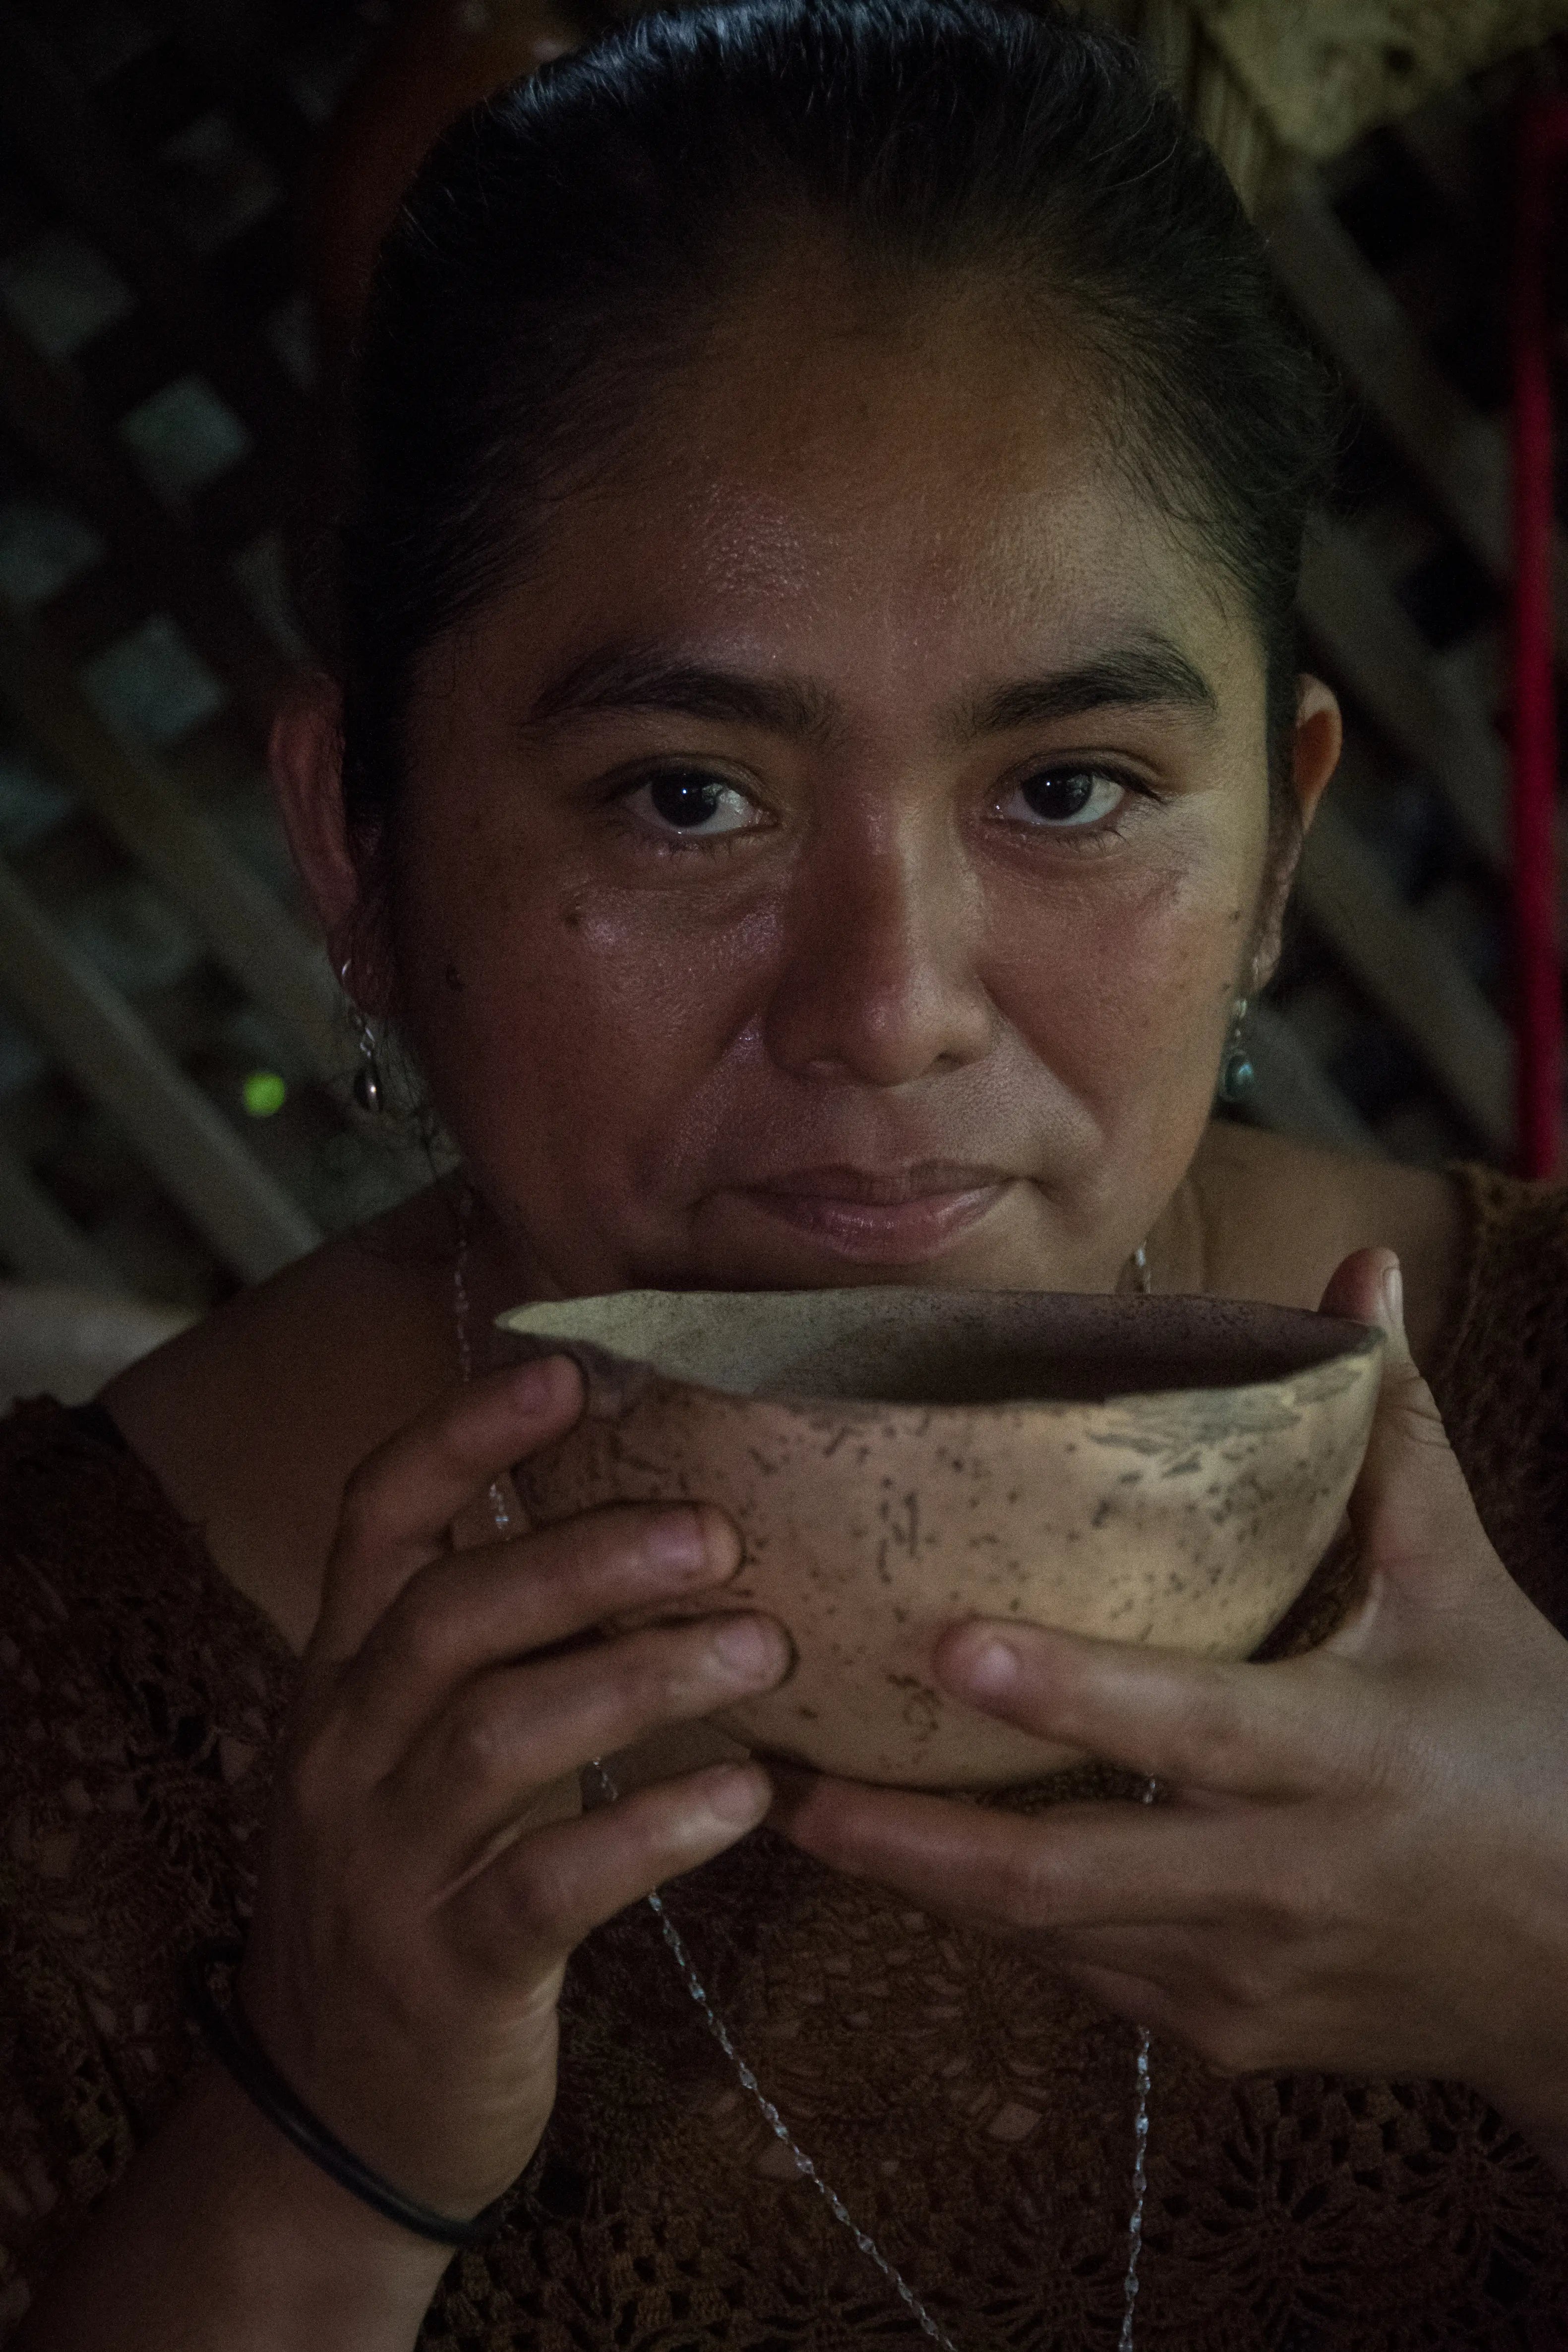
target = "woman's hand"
x: 1360, y: 1864
x: 428, y: 1866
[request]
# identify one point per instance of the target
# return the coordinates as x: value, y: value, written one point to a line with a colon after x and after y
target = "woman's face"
x: 837, y: 862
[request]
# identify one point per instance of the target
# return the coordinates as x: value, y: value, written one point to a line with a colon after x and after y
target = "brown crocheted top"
x: 975, y: 2116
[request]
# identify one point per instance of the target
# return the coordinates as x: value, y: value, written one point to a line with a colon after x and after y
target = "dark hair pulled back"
x: 568, y: 242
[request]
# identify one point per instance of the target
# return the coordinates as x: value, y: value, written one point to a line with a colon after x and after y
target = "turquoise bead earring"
x: 1237, y: 1075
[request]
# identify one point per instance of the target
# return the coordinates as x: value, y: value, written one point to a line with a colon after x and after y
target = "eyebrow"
x: 1149, y: 670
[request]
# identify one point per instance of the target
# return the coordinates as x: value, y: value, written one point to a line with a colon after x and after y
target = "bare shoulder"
x: 1278, y: 1217
x: 253, y: 1419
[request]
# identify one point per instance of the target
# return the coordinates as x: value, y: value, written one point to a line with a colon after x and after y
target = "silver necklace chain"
x: 676, y: 1945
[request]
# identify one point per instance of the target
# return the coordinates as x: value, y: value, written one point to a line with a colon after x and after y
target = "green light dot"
x: 263, y: 1093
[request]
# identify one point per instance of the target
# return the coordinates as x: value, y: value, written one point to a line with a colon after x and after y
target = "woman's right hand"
x: 428, y: 1867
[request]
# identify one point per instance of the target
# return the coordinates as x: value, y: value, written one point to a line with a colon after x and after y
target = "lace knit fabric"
x: 975, y: 2113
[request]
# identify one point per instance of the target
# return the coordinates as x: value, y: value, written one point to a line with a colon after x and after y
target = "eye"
x: 1065, y: 799
x: 690, y: 801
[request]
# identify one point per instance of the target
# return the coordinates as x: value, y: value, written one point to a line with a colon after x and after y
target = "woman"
x: 819, y: 761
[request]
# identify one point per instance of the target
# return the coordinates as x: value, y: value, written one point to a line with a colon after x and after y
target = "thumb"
x: 1414, y: 1523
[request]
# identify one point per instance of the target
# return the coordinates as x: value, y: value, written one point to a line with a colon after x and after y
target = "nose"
x: 879, y: 984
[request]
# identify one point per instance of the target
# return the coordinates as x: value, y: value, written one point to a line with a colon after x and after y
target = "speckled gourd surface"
x: 1163, y: 1470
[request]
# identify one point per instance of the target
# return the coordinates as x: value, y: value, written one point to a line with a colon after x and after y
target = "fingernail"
x: 533, y: 1384
x: 678, y: 1542
x: 754, y: 1650
x: 990, y: 1669
x: 1394, y: 1294
x: 738, y: 1793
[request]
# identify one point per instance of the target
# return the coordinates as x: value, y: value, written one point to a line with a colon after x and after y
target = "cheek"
x: 557, y: 1020
x: 1122, y: 985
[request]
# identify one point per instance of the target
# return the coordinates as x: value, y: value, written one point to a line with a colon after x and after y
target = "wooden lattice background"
x: 157, y: 424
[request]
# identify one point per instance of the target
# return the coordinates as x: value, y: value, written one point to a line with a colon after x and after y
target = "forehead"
x: 852, y: 482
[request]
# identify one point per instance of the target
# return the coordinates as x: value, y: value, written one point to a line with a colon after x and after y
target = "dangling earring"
x: 1237, y: 1073
x: 367, y: 1088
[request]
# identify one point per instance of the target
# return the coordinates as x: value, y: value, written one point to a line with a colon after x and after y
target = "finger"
x: 469, y: 1610
x: 465, y: 1780
x: 400, y: 1502
x: 1358, y: 1288
x: 1126, y: 1994
x: 1172, y: 1955
x: 540, y: 1898
x: 1228, y: 2043
x: 1252, y: 1729
x: 1411, y: 1511
x: 1077, y: 1866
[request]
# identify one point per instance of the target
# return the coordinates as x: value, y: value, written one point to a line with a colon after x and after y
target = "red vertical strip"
x: 1543, y: 128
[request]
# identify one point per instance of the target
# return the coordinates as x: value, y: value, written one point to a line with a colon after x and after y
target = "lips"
x: 883, y: 1216
x: 884, y: 1188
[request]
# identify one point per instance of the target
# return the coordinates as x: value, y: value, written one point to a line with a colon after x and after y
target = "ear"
x: 1319, y: 738
x: 307, y: 764
x: 1314, y: 756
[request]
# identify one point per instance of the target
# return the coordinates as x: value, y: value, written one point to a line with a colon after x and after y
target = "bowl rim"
x: 1362, y: 1340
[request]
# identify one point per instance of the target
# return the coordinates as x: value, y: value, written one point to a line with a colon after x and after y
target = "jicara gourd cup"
x: 1166, y: 1471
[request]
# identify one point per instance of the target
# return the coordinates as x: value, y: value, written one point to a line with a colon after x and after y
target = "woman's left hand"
x: 1359, y: 1864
